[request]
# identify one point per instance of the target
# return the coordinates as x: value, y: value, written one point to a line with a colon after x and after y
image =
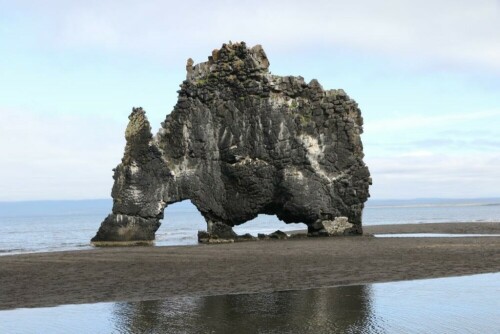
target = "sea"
x: 467, y: 304
x: 46, y: 226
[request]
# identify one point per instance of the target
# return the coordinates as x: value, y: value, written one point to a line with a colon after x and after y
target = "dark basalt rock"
x: 240, y: 142
x: 278, y: 235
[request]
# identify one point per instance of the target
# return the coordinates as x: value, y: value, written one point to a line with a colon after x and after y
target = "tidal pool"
x: 468, y: 304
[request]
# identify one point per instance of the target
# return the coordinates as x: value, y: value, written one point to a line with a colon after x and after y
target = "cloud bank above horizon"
x: 426, y: 76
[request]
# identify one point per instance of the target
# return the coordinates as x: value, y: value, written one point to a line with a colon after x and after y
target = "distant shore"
x: 145, y: 273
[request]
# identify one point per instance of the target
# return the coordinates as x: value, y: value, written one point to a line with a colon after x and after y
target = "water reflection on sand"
x: 341, y: 310
x: 468, y: 304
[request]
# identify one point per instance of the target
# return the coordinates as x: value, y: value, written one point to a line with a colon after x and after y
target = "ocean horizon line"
x: 418, y: 199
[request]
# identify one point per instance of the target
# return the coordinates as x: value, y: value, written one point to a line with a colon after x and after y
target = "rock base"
x: 337, y: 227
x: 335, y: 231
x: 126, y: 228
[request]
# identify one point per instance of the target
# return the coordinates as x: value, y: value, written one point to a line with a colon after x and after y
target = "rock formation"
x: 241, y: 142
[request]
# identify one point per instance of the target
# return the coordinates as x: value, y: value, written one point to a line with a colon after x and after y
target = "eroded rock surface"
x: 240, y: 142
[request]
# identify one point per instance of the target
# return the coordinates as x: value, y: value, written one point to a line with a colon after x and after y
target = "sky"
x: 426, y: 75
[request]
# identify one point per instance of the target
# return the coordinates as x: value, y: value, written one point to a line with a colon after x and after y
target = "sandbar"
x: 150, y: 273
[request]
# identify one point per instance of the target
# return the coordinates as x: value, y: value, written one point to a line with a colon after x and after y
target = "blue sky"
x: 426, y: 77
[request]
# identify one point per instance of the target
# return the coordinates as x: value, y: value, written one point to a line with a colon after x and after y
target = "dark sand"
x: 453, y: 228
x: 143, y: 273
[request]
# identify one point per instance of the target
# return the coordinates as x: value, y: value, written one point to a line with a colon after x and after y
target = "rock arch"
x: 240, y: 142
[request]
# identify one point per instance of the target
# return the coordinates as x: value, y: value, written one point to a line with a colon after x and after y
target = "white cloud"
x: 423, y: 135
x: 84, y: 27
x: 57, y: 156
x: 416, y: 175
x: 417, y: 153
x: 457, y: 33
x: 451, y: 155
x: 411, y: 122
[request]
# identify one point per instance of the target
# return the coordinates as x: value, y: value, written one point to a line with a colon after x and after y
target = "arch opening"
x: 182, y: 221
x: 180, y: 225
x: 267, y: 224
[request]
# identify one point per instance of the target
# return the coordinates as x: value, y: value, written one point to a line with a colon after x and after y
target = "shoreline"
x: 147, y: 273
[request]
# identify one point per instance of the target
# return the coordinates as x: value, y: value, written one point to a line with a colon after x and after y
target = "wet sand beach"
x: 147, y: 273
x: 452, y: 228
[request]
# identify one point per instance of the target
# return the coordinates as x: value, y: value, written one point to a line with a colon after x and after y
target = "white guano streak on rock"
x: 294, y: 173
x: 161, y: 206
x: 134, y: 168
x: 181, y: 169
x: 278, y: 100
x: 314, y: 153
x: 135, y: 192
x: 248, y: 160
x: 282, y: 130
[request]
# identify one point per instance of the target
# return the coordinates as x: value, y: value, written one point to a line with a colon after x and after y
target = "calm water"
x: 469, y: 304
x: 435, y: 235
x: 69, y: 225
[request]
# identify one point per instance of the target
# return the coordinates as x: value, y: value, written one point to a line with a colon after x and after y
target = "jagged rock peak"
x: 240, y: 142
x: 229, y: 59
